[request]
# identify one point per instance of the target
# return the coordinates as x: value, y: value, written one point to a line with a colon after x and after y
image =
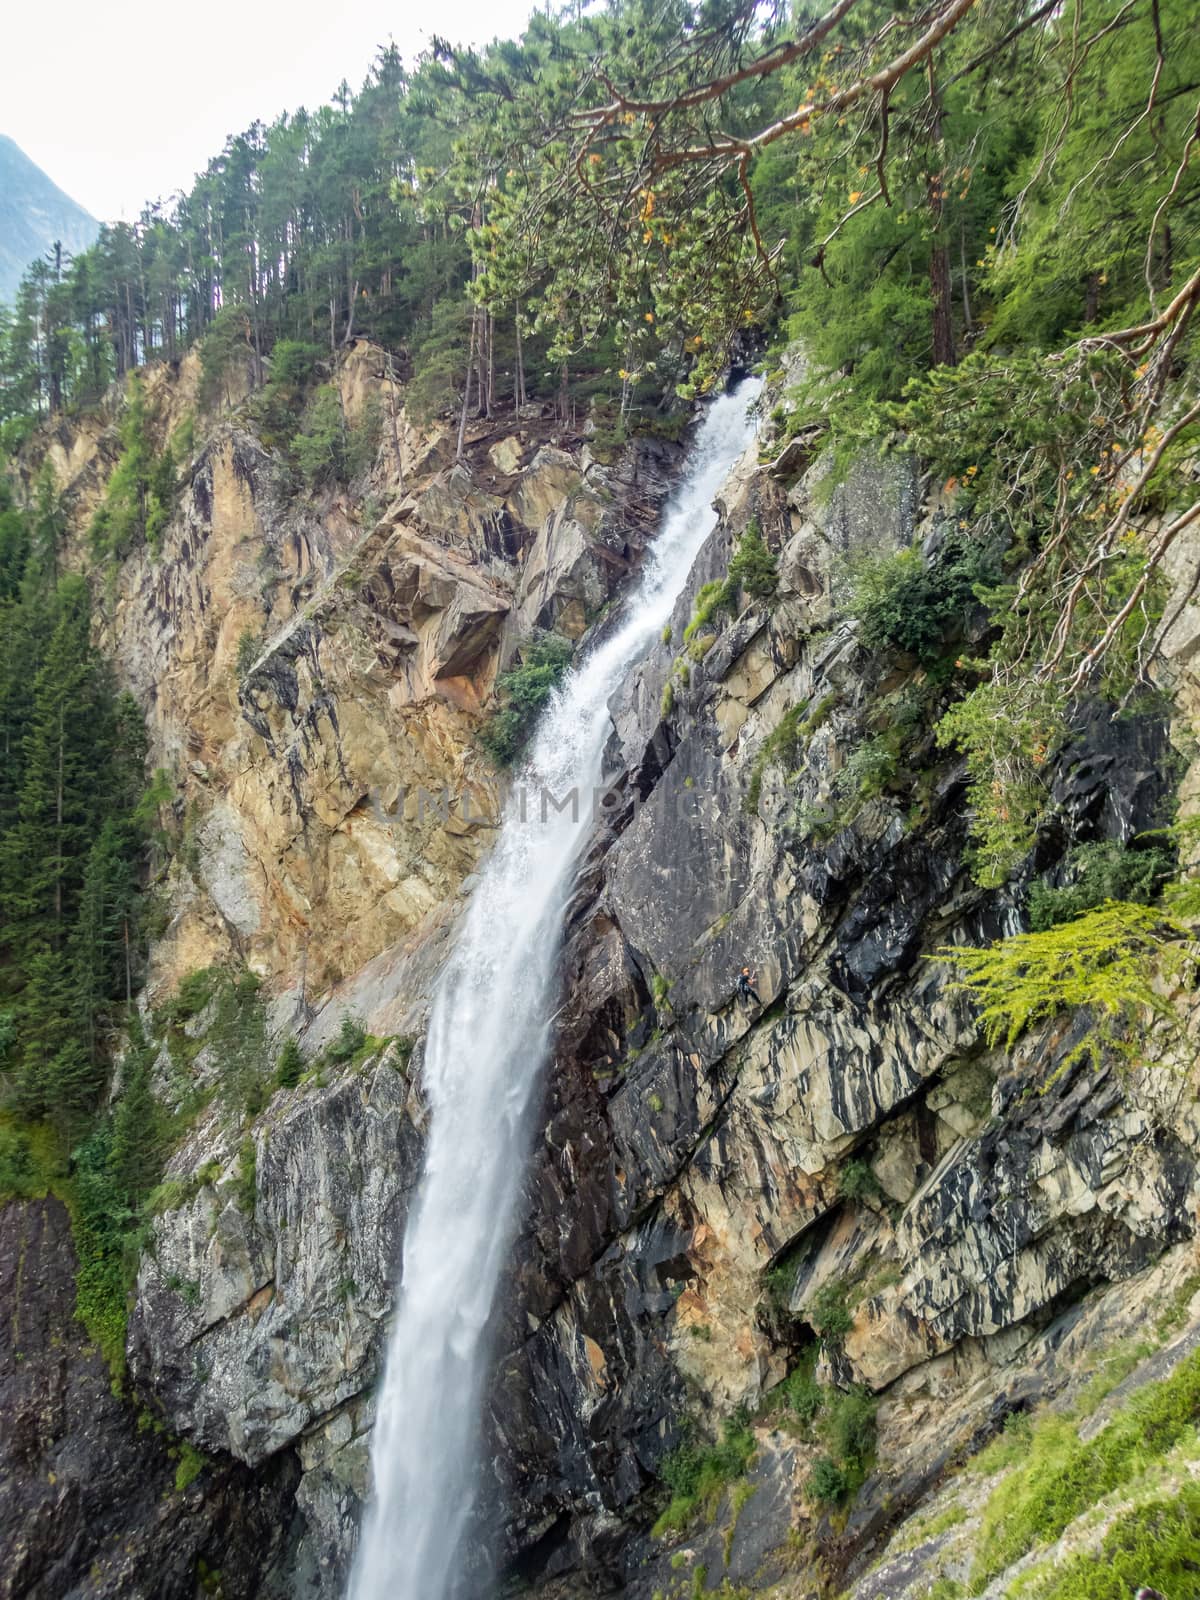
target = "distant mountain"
x: 34, y: 213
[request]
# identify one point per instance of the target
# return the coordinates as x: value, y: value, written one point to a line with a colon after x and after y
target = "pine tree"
x: 136, y: 1155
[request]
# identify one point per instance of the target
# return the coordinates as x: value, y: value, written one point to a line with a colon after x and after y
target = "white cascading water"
x: 488, y: 1037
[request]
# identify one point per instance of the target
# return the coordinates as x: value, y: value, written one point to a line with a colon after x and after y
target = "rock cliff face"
x: 709, y: 1176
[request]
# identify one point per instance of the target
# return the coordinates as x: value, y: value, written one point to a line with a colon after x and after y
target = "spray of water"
x: 488, y: 1038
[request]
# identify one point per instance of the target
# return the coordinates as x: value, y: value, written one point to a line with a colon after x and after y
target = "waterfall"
x: 488, y: 1036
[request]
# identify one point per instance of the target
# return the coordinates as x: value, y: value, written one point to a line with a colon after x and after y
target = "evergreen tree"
x: 137, y: 1136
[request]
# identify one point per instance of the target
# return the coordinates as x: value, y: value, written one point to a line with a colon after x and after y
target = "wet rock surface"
x: 88, y: 1503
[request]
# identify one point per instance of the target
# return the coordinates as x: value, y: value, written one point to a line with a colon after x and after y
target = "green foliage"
x: 1060, y: 1476
x: 237, y: 1036
x: 1096, y: 873
x: 319, y: 447
x: 195, y: 991
x: 138, y: 1135
x: 245, y: 1190
x: 71, y: 835
x: 710, y: 598
x: 227, y: 341
x: 1008, y: 733
x: 904, y: 602
x: 827, y: 1481
x: 524, y: 691
x: 1155, y: 1545
x: 857, y: 1181
x: 289, y: 1065
x: 869, y: 768
x: 440, y: 360
x: 189, y: 1467
x: 783, y: 746
x: 1105, y: 962
x: 140, y: 494
x: 31, y: 1160
x: 351, y: 1038
x: 279, y: 404
x: 248, y: 646
x: 847, y: 1433
x: 800, y: 1392
x: 698, y: 1475
x: 102, y: 1225
x: 753, y: 570
x: 172, y: 1193
x: 829, y: 1313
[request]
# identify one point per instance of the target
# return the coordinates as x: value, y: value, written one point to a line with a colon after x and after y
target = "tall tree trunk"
x: 519, y: 374
x: 466, y: 401
x: 491, y: 363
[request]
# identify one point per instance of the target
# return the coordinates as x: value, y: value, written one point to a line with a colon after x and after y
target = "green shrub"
x: 1060, y: 1475
x: 903, y: 602
x: 289, y: 1065
x: 102, y: 1224
x: 248, y: 647
x: 710, y: 598
x: 753, y: 569
x: 698, y: 1476
x: 245, y: 1189
x: 829, y: 1313
x: 319, y: 447
x: 850, y: 1429
x: 1008, y: 735
x: 801, y: 1393
x: 1156, y: 1545
x: 783, y: 746
x: 172, y: 1193
x: 846, y: 1430
x: 238, y: 1040
x: 869, y: 768
x: 857, y: 1181
x: 1105, y: 962
x: 140, y: 494
x: 191, y: 1465
x: 195, y: 990
x: 352, y: 1036
x: 524, y: 691
x: 362, y: 441
x: 819, y: 715
x: 827, y: 1481
x: 31, y: 1161
x: 278, y: 405
x: 1096, y: 873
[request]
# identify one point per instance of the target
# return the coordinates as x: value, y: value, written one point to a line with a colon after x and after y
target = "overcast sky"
x: 124, y: 102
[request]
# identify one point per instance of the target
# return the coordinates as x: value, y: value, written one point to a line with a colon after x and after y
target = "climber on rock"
x: 745, y: 987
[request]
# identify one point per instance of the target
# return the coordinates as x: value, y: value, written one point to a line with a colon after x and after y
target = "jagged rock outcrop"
x: 688, y: 1199
x: 312, y: 665
x: 88, y: 1496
